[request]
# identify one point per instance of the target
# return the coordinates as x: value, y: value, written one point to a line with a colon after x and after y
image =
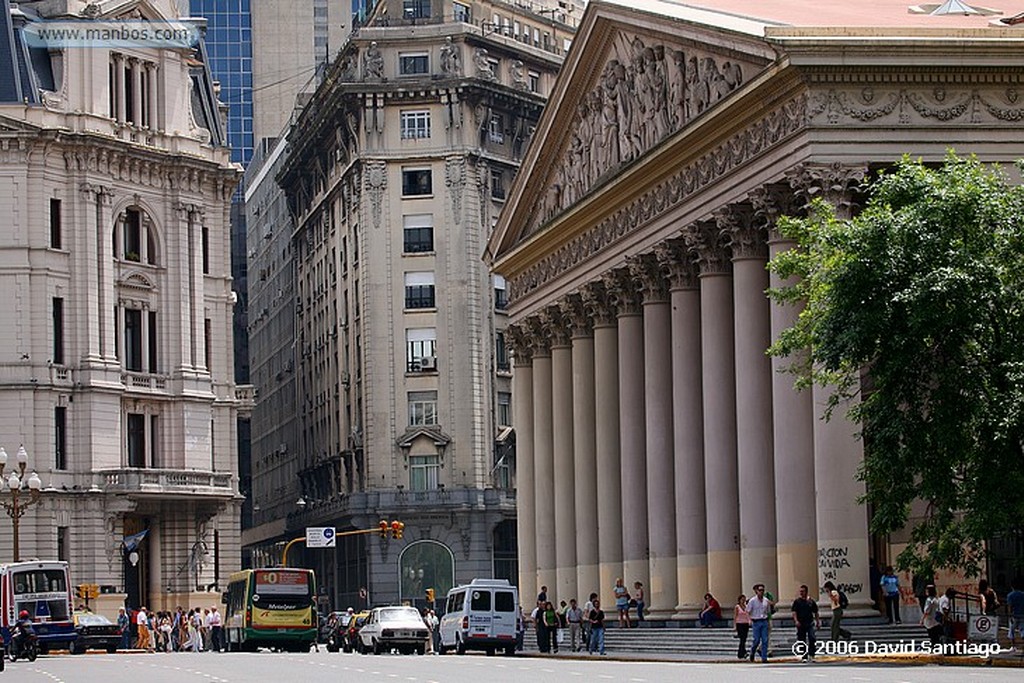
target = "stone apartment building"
x: 394, y: 174
x: 116, y: 361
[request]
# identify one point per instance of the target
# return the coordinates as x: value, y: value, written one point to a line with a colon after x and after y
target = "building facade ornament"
x: 373, y: 63
x: 517, y: 336
x: 836, y: 183
x: 651, y: 276
x: 677, y: 262
x: 742, y: 231
x: 623, y: 292
x: 598, y: 303
x: 539, y: 336
x: 455, y: 180
x: 484, y: 68
x: 935, y: 104
x: 770, y: 203
x: 376, y: 175
x: 450, y: 58
x: 704, y: 240
x: 557, y: 326
x: 575, y: 313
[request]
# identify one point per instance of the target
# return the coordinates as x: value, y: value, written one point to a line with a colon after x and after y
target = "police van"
x: 483, y: 615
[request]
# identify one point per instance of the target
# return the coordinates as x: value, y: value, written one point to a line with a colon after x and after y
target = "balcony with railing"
x: 168, y: 483
x: 144, y: 381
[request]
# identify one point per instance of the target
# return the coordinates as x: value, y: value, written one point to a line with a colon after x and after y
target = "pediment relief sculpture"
x: 643, y: 93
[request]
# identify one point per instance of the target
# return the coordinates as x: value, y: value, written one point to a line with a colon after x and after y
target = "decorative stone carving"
x: 650, y: 276
x: 623, y: 292
x: 742, y: 231
x: 771, y: 202
x: 451, y: 59
x: 835, y: 183
x: 538, y: 335
x: 598, y: 303
x: 373, y: 63
x: 483, y: 189
x: 455, y: 180
x: 941, y: 103
x: 484, y: 68
x: 776, y: 126
x: 575, y: 313
x: 376, y: 175
x: 556, y: 324
x: 518, y: 339
x: 704, y: 240
x: 518, y: 74
x: 677, y: 261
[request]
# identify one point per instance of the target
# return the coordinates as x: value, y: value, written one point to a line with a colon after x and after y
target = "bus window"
x: 504, y: 601
x: 481, y: 601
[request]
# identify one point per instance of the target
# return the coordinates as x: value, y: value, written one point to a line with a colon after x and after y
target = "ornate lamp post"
x: 15, y: 485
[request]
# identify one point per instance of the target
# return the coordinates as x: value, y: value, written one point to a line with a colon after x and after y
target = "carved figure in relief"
x: 518, y: 75
x: 676, y: 88
x: 484, y: 68
x: 697, y: 94
x: 584, y: 131
x: 609, y: 122
x: 622, y: 96
x: 451, y: 60
x: 373, y: 62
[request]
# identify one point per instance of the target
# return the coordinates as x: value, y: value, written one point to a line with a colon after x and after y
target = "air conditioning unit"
x: 428, y: 363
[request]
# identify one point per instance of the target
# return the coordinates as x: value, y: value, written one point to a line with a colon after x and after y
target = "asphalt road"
x: 324, y: 666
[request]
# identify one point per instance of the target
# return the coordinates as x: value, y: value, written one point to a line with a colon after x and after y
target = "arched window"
x: 423, y: 565
x: 135, y: 238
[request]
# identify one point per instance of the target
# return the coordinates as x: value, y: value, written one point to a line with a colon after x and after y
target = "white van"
x: 481, y: 616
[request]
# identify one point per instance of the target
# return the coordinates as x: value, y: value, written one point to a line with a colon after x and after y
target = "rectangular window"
x: 419, y: 233
x: 422, y: 408
x: 497, y: 184
x: 55, y: 228
x: 424, y: 471
x: 153, y: 367
x: 462, y: 13
x: 129, y: 96
x: 480, y: 601
x: 136, y: 440
x: 419, y: 290
x: 413, y: 63
x: 420, y: 349
x: 504, y: 409
x: 133, y: 235
x: 416, y: 9
x: 63, y: 545
x: 496, y: 129
x: 504, y: 601
x: 501, y: 360
x: 533, y: 81
x: 500, y: 293
x: 133, y: 339
x: 208, y: 343
x: 417, y: 182
x: 206, y: 251
x: 58, y: 330
x: 415, y: 125
x: 154, y: 435
x: 60, y: 438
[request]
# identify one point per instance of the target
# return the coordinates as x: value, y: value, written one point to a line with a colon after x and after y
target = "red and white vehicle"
x: 43, y: 589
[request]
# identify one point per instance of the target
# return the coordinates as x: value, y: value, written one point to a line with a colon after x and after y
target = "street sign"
x: 982, y: 628
x: 320, y: 537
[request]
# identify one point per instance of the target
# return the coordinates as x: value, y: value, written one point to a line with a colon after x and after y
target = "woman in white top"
x: 930, y: 617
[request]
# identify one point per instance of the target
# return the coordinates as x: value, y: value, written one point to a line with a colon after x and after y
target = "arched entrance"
x: 423, y: 565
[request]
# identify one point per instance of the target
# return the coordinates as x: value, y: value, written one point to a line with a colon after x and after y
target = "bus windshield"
x: 39, y: 581
x: 282, y: 585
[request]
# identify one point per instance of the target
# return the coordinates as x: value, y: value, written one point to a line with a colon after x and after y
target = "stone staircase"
x: 719, y: 643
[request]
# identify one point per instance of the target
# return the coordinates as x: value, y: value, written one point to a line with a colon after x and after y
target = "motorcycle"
x: 24, y: 644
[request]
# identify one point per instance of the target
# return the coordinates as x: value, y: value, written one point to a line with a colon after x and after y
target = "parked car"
x: 95, y: 632
x: 350, y: 640
x: 483, y: 615
x: 390, y: 628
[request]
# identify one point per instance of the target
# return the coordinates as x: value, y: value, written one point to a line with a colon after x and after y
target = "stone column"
x: 584, y: 445
x: 118, y: 85
x: 136, y: 103
x: 841, y: 519
x: 543, y: 455
x: 754, y: 448
x: 687, y: 429
x: 607, y: 439
x: 719, y: 401
x: 522, y: 419
x: 625, y: 293
x: 662, y: 592
x: 562, y: 443
x: 792, y: 425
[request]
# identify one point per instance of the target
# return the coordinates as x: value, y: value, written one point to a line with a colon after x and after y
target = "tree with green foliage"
x: 914, y: 309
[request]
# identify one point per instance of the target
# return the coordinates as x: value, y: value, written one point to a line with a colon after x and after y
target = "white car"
x: 394, y: 628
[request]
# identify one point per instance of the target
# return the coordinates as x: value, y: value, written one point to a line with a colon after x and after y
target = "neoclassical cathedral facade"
x: 656, y: 440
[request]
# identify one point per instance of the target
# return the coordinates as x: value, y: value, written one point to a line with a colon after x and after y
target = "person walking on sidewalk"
x: 622, y: 602
x: 639, y: 596
x: 587, y: 609
x: 741, y: 619
x: 574, y: 617
x: 839, y: 605
x: 805, y: 614
x: 890, y: 585
x: 760, y: 609
x: 596, y: 619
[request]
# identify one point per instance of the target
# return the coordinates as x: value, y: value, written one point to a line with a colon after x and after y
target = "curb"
x: 1017, y: 662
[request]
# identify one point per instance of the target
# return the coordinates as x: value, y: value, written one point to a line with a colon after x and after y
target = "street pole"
x: 15, y: 509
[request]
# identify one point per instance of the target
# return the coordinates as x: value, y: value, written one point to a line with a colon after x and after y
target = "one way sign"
x: 320, y: 537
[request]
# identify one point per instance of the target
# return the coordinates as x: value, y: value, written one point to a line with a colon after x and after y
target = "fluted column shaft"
x: 585, y: 464
x: 607, y: 458
x: 755, y: 461
x: 633, y: 444
x: 564, y: 492
x: 544, y: 467
x: 522, y: 418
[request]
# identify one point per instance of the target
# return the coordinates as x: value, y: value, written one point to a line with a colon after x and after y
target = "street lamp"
x: 15, y: 484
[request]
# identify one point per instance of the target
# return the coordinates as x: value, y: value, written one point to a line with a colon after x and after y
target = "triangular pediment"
x: 142, y: 10
x: 12, y: 125
x: 136, y: 280
x: 633, y: 80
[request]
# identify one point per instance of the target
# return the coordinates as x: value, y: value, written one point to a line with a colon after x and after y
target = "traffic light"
x: 383, y: 528
x: 396, y: 529
x: 430, y: 595
x: 82, y: 591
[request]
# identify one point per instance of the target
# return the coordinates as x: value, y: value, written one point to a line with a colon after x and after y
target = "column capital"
x: 704, y: 240
x: 771, y: 202
x: 556, y: 324
x: 623, y: 292
x: 678, y: 262
x: 742, y: 232
x: 537, y: 336
x: 836, y: 183
x: 575, y: 312
x: 597, y: 299
x: 650, y: 276
x: 518, y: 338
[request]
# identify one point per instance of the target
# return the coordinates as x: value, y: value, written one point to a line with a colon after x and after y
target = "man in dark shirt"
x: 596, y: 619
x: 805, y: 614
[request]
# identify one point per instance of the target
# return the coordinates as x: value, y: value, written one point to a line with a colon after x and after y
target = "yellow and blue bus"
x: 273, y: 608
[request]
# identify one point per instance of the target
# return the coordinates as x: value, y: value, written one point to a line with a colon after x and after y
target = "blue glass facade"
x: 229, y: 46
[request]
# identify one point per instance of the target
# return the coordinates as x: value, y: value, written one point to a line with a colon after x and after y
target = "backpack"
x: 843, y: 601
